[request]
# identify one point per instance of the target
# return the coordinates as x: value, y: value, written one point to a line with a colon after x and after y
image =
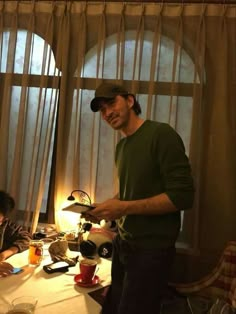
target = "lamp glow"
x: 83, y: 204
x: 84, y: 198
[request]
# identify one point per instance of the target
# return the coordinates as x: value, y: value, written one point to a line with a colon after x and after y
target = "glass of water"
x: 24, y: 305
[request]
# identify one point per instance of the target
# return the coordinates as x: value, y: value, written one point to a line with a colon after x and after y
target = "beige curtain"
x: 29, y: 96
x: 180, y: 60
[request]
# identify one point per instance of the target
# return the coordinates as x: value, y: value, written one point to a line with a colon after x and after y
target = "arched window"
x: 30, y: 88
x: 166, y: 107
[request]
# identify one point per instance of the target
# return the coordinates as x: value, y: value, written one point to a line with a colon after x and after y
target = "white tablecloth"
x: 57, y: 293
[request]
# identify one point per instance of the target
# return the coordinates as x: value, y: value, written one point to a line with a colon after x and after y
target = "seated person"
x: 5, y: 269
x: 13, y: 238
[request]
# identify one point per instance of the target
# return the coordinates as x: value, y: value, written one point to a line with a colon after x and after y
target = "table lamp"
x: 83, y: 197
x: 83, y: 204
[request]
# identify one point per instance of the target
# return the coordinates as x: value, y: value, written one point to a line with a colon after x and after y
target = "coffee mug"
x: 87, y: 269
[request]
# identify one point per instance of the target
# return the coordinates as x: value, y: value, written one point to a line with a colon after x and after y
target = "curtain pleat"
x: 155, y: 58
x: 36, y: 135
x: 95, y: 151
x: 78, y: 109
x: 197, y: 144
x: 176, y: 71
x: 120, y: 47
x: 138, y: 52
x: 20, y: 125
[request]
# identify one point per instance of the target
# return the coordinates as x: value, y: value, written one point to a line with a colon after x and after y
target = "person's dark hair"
x: 136, y: 107
x: 7, y: 203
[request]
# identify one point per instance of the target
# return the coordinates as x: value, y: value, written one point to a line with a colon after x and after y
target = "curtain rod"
x: 151, y: 1
x: 164, y: 1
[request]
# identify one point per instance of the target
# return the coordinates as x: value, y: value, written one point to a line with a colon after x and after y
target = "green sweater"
x: 149, y: 162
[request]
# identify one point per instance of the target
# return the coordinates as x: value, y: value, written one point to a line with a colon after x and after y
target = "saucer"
x: 79, y: 281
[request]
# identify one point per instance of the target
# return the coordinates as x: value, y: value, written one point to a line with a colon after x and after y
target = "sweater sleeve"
x: 16, y: 235
x: 175, y: 168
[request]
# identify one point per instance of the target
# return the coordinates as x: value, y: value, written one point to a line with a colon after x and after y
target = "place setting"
x: 54, y: 267
x: 61, y: 262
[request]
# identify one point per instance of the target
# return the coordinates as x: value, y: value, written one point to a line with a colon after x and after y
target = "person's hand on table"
x: 5, y: 269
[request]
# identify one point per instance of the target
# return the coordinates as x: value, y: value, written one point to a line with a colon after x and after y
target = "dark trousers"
x: 139, y: 277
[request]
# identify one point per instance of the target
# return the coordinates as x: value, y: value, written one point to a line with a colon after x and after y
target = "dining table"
x: 57, y: 293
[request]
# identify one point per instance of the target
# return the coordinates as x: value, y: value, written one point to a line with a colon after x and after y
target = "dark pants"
x: 139, y: 277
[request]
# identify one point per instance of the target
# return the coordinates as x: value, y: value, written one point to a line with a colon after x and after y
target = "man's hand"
x: 109, y: 210
x: 89, y: 217
x: 5, y: 269
x: 2, y: 257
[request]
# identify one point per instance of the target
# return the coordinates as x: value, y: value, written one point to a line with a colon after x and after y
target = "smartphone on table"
x: 17, y: 270
x: 56, y: 267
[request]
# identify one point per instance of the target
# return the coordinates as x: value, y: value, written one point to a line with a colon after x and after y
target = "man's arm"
x: 156, y: 205
x: 9, y: 252
x: 16, y: 239
x: 113, y: 209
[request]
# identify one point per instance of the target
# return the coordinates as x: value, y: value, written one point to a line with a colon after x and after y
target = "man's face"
x: 117, y: 112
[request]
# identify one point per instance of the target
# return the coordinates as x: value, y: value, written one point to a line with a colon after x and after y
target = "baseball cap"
x: 106, y: 91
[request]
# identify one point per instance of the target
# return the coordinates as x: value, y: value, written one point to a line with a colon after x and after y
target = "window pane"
x: 184, y: 69
x: 40, y: 61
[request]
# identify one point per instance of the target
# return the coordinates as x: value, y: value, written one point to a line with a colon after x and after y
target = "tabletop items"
x: 59, y: 251
x: 87, y: 269
x: 79, y: 281
x: 59, y: 292
x: 56, y: 267
x: 23, y: 305
x: 35, y: 252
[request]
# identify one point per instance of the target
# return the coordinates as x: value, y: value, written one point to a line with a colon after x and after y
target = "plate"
x: 79, y: 281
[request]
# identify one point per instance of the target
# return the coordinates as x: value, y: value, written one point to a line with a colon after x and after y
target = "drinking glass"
x: 35, y: 252
x: 23, y: 305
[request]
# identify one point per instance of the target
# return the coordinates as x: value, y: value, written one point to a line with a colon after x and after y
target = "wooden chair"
x: 220, y: 283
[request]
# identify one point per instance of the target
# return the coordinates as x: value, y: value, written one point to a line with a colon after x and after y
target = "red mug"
x: 87, y: 269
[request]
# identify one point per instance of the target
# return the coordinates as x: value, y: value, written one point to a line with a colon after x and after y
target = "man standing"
x: 155, y: 184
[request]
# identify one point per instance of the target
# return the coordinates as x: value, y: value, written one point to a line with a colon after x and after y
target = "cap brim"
x: 95, y: 104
